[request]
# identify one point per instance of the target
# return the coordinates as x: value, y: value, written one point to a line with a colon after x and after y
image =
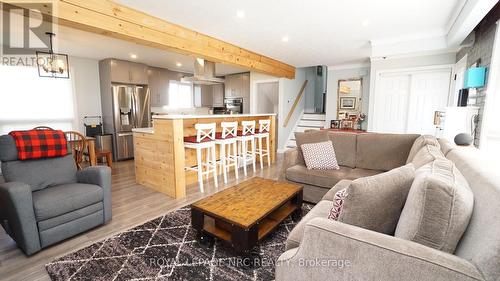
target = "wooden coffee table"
x: 244, y: 214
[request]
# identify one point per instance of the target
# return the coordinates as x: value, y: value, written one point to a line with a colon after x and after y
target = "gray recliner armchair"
x: 45, y: 201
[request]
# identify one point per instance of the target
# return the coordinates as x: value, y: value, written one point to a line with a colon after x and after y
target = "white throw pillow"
x: 320, y: 156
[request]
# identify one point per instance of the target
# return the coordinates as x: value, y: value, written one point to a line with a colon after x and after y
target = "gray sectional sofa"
x: 322, y: 249
x: 358, y: 155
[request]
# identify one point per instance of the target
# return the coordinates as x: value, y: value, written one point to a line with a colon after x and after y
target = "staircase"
x: 307, y: 122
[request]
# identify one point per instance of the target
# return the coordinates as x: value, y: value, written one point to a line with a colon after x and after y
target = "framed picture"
x: 335, y: 124
x: 348, y: 103
x: 347, y: 124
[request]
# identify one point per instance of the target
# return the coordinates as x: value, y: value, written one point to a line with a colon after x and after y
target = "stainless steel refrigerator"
x: 131, y: 109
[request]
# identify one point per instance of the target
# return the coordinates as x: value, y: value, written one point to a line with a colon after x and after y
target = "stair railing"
x: 295, y: 103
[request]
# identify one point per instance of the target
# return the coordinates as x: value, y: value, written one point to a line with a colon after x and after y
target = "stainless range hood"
x: 204, y: 73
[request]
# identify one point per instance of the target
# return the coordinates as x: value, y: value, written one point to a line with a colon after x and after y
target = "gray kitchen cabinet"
x: 158, y: 85
x: 207, y: 96
x: 138, y: 73
x: 120, y: 72
x: 128, y: 72
x: 237, y: 85
x: 218, y: 95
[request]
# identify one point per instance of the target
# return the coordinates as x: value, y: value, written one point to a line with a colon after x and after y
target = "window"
x: 27, y: 100
x: 180, y: 95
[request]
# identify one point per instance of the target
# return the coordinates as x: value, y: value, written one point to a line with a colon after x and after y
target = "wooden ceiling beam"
x: 114, y: 20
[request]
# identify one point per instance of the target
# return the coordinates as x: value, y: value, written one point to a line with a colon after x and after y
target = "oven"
x: 234, y: 105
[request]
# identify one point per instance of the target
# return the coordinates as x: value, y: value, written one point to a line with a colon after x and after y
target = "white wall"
x: 406, y: 62
x: 256, y: 77
x: 310, y: 91
x: 340, y: 73
x: 85, y: 77
x: 289, y: 90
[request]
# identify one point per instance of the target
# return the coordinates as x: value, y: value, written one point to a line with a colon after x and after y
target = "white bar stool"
x: 204, y: 139
x: 264, y: 127
x: 244, y: 136
x: 227, y: 139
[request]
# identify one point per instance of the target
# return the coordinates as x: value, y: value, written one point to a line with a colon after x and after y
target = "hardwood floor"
x: 133, y: 205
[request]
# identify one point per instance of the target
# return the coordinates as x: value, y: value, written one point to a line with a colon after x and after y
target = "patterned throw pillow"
x: 320, y: 156
x: 338, y: 202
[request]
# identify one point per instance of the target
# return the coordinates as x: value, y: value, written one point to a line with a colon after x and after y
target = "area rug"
x: 166, y: 249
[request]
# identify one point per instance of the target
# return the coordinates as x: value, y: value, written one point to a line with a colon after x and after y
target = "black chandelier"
x: 52, y: 64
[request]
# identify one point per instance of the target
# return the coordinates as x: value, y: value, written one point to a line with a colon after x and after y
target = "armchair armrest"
x: 101, y: 176
x: 292, y: 157
x: 332, y: 250
x: 18, y: 217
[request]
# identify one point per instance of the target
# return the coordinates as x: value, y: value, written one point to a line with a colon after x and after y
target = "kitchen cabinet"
x: 207, y: 96
x: 128, y: 72
x: 237, y: 85
x: 218, y: 95
x: 158, y: 86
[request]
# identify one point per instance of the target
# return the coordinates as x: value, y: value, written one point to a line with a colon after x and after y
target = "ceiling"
x: 319, y: 32
x: 90, y: 45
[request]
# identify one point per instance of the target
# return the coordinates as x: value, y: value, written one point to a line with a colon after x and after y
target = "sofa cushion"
x: 446, y: 146
x: 320, y: 156
x: 339, y: 186
x: 71, y: 216
x: 312, y: 136
x: 41, y: 173
x: 426, y: 155
x: 438, y: 208
x: 55, y: 201
x: 345, y: 148
x: 383, y: 152
x: 375, y: 202
x: 419, y: 143
x: 325, y: 178
x: 321, y: 210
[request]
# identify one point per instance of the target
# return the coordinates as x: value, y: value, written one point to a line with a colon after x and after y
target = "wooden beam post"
x: 114, y: 20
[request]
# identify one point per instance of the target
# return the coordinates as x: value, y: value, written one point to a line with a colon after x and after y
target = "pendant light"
x: 52, y: 64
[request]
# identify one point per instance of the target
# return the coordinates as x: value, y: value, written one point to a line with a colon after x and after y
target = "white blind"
x: 27, y: 100
x: 180, y: 95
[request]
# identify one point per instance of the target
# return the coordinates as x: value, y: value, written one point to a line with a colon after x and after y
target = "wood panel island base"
x: 244, y: 214
x: 160, y: 156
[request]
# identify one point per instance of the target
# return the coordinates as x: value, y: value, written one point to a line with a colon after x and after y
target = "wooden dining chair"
x: 42, y: 128
x: 77, y: 144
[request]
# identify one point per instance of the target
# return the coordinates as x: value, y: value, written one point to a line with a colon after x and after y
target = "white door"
x: 429, y: 93
x: 405, y: 102
x: 391, y: 104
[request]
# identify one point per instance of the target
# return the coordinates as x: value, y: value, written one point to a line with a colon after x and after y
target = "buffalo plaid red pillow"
x: 34, y: 144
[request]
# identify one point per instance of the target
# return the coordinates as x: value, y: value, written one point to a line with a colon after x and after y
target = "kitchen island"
x: 160, y: 156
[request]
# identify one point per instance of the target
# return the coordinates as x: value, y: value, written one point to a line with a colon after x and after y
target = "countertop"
x: 143, y: 130
x: 209, y: 116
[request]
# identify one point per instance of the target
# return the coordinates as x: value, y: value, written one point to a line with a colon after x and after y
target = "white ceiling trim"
x: 466, y: 16
x: 470, y: 16
x: 349, y: 66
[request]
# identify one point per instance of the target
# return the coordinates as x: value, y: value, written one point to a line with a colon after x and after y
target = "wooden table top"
x: 248, y: 202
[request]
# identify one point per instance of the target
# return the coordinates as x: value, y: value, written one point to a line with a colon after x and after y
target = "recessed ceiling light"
x: 366, y: 22
x: 240, y: 13
x: 178, y: 64
x: 285, y: 39
x: 134, y: 56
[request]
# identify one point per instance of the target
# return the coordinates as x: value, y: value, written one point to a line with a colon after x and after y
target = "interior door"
x: 429, y: 93
x: 391, y: 103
